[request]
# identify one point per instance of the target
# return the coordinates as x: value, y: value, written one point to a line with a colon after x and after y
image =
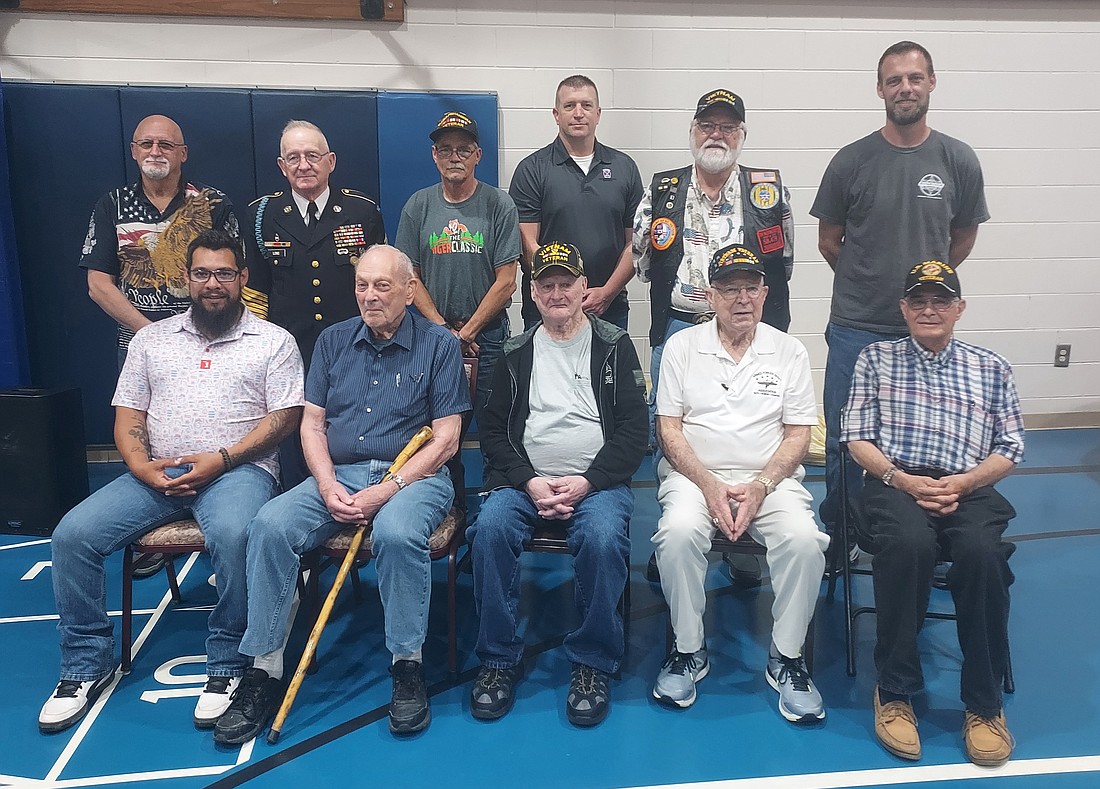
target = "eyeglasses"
x: 446, y: 151
x: 166, y: 146
x: 221, y: 275
x: 938, y: 303
x: 707, y: 128
x: 733, y: 291
x: 313, y: 157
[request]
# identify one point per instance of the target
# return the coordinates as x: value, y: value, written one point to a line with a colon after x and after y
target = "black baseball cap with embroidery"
x: 734, y: 258
x: 721, y: 98
x: 557, y: 254
x: 455, y: 121
x: 933, y: 272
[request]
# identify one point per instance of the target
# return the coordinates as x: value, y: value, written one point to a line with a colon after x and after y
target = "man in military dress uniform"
x: 302, y: 247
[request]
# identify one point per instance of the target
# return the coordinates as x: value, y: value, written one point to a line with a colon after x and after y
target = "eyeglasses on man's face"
x: 733, y: 291
x: 312, y: 157
x: 166, y: 146
x: 223, y: 275
x: 938, y: 303
x: 446, y: 151
x: 708, y: 128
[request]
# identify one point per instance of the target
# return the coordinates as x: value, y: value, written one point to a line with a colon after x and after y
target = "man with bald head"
x: 302, y: 244
x: 136, y: 249
x: 375, y: 380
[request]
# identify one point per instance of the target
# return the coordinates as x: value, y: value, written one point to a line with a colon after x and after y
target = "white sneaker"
x: 214, y: 700
x: 70, y: 702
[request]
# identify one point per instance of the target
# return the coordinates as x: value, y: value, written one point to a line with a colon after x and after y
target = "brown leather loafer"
x: 896, y: 728
x: 988, y: 740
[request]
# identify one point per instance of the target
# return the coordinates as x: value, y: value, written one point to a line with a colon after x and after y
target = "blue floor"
x: 732, y: 737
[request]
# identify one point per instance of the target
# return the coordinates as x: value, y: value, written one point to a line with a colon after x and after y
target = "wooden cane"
x: 416, y: 442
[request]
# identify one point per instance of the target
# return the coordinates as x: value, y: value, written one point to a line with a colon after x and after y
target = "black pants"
x: 906, y: 541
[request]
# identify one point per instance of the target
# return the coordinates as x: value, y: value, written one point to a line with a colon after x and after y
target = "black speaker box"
x: 43, y: 461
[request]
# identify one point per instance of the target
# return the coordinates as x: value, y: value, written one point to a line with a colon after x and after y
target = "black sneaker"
x: 589, y: 698
x: 146, y: 565
x: 255, y: 702
x: 494, y: 691
x: 409, y: 710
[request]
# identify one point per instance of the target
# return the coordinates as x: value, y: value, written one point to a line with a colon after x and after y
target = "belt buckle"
x: 702, y: 317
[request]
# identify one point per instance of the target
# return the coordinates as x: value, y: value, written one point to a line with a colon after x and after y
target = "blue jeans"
x: 490, y: 342
x: 655, y: 355
x: 599, y: 540
x: 844, y: 346
x: 113, y: 517
x: 298, y: 521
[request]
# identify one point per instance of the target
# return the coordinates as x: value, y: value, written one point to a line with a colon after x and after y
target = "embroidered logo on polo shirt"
x: 767, y: 383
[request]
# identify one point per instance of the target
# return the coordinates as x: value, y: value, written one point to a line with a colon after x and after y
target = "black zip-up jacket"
x: 618, y: 385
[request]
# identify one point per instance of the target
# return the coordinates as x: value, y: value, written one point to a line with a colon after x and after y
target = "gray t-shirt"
x: 898, y: 207
x: 459, y: 246
x: 563, y: 434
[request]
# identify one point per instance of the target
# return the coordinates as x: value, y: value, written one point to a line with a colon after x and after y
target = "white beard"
x: 155, y: 171
x: 715, y: 159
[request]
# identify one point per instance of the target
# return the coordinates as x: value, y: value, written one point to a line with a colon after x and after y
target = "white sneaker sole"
x: 793, y: 717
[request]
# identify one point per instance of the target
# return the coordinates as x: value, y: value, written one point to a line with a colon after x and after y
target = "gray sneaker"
x: 676, y: 680
x: 799, y: 701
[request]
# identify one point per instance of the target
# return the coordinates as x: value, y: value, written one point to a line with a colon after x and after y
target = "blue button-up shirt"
x: 948, y: 410
x: 377, y: 394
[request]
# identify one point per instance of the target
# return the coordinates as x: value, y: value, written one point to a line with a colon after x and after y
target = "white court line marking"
x: 901, y: 775
x: 36, y: 568
x: 93, y: 713
x: 22, y: 545
x: 47, y: 617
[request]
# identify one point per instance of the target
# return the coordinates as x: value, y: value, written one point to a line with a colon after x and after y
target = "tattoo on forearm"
x: 139, y: 432
x: 277, y: 423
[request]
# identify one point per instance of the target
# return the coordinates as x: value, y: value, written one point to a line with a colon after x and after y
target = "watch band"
x: 401, y: 483
x: 888, y: 476
x: 768, y: 483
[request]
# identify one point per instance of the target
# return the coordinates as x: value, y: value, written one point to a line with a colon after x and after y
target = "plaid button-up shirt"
x: 948, y: 410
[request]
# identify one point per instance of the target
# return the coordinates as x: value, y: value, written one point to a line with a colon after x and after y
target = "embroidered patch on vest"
x: 764, y: 195
x: 763, y: 177
x: 770, y: 239
x: 662, y: 233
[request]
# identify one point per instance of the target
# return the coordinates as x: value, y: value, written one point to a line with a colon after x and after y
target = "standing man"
x: 136, y: 249
x: 302, y: 247
x: 201, y: 405
x: 687, y: 215
x: 936, y: 423
x: 563, y: 432
x: 579, y: 189
x: 734, y: 413
x: 137, y: 241
x: 904, y: 192
x: 463, y: 238
x: 374, y: 382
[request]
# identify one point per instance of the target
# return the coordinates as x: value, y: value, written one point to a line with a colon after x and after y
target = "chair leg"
x: 846, y: 568
x: 452, y: 611
x: 173, y: 582
x: 127, y: 608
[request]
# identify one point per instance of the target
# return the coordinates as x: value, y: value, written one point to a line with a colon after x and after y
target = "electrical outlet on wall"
x: 1061, y: 356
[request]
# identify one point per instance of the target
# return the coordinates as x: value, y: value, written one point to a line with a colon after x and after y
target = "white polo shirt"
x: 733, y: 413
x: 201, y: 395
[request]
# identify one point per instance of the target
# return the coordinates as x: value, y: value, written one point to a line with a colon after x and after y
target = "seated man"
x: 735, y: 405
x: 373, y: 382
x: 935, y: 423
x: 564, y: 430
x: 201, y: 405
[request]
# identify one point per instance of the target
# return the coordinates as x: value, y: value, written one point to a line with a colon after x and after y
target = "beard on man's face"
x: 215, y: 317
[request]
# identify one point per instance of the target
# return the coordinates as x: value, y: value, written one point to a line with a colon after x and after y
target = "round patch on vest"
x: 662, y: 233
x: 764, y: 195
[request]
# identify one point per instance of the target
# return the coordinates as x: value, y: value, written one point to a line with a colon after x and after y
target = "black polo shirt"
x: 589, y: 211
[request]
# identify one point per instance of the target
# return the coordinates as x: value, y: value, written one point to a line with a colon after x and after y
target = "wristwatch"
x: 888, y: 476
x: 401, y: 483
x: 769, y: 485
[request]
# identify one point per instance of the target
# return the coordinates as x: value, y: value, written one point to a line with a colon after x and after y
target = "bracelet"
x: 401, y: 483
x: 888, y: 477
x: 226, y: 460
x: 769, y: 485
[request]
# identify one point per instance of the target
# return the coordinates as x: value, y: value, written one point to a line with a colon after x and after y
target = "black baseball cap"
x: 734, y: 258
x: 933, y: 272
x: 557, y: 254
x: 721, y: 98
x: 455, y: 121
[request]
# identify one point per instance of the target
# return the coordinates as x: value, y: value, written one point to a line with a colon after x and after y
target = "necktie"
x: 311, y: 215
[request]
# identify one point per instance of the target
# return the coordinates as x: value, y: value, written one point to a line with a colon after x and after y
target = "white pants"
x: 785, y: 526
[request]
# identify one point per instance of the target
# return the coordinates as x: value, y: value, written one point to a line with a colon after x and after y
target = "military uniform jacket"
x: 304, y: 279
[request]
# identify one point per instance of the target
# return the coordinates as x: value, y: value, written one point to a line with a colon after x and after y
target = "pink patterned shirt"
x: 202, y: 395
